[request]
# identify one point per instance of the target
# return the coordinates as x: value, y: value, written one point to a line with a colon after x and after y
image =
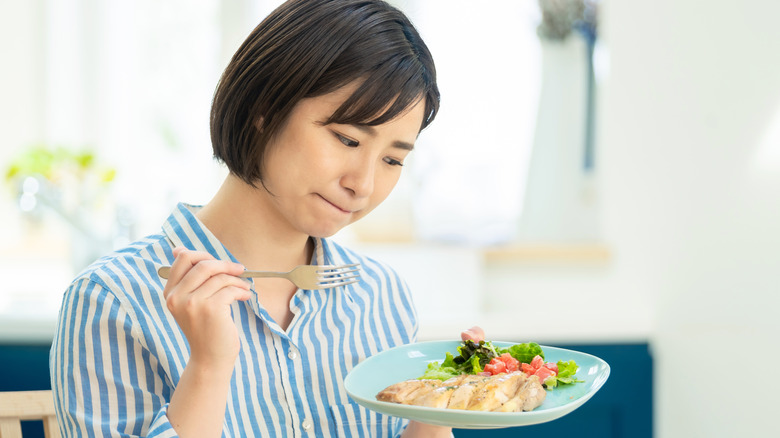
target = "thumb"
x: 475, y: 333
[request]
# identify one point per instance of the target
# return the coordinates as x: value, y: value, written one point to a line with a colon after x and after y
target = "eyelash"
x: 348, y: 141
x: 354, y: 143
x: 393, y: 162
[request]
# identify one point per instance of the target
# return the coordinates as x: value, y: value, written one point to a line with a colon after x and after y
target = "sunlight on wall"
x: 472, y: 163
x: 767, y: 157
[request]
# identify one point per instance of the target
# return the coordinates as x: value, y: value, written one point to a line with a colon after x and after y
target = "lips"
x: 336, y: 206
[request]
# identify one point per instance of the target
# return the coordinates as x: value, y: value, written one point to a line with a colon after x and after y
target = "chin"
x: 322, y: 235
x: 323, y: 232
x: 324, y: 229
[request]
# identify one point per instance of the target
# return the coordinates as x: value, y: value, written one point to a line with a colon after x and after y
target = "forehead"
x: 403, y: 128
x: 357, y: 104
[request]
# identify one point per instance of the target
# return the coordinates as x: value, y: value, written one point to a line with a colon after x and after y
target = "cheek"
x: 383, y: 187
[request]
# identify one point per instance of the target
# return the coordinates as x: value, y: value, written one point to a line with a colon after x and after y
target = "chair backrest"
x: 16, y: 406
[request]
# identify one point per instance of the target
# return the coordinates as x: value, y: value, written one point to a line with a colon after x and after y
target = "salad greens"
x: 525, y: 353
x: 472, y: 357
x: 566, y: 371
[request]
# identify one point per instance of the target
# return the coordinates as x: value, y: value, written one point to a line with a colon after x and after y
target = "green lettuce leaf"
x: 567, y: 371
x: 475, y: 366
x: 525, y: 353
x: 439, y: 372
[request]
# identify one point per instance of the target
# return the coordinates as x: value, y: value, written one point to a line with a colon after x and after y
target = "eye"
x: 346, y: 140
x: 393, y: 162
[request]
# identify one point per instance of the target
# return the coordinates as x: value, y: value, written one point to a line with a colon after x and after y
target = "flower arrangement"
x: 561, y: 17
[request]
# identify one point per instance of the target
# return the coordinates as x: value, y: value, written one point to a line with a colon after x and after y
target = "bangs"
x: 309, y: 48
x: 388, y: 92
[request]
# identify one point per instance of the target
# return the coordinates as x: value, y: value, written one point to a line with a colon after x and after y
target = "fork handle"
x: 256, y: 274
x: 165, y: 272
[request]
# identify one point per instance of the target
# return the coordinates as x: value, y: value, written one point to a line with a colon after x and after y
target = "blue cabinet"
x: 623, y: 407
x: 25, y: 367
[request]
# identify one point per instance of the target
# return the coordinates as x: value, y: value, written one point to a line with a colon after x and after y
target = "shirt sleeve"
x: 105, y: 381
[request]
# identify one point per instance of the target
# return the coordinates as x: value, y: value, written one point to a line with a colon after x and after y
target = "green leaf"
x: 567, y: 371
x: 524, y: 352
x: 475, y: 365
x: 439, y: 372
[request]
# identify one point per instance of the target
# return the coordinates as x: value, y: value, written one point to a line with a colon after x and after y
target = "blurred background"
x: 604, y: 175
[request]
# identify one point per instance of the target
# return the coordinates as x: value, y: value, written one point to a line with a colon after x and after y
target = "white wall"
x: 692, y: 201
x: 22, y: 58
x: 689, y: 183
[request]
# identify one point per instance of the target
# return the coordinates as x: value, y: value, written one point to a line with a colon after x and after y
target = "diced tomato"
x: 539, y: 368
x: 543, y: 373
x: 496, y: 366
x: 512, y: 364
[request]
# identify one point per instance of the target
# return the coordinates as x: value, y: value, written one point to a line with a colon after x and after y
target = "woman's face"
x: 324, y: 177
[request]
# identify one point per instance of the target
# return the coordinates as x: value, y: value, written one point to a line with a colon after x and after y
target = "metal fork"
x: 309, y: 277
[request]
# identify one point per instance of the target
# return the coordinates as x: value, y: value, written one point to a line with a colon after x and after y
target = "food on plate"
x: 485, y: 359
x: 482, y: 377
x: 506, y: 392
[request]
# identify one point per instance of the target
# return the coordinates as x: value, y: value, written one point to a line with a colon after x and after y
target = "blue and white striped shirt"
x: 118, y: 353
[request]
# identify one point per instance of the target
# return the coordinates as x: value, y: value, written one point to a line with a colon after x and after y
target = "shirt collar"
x: 183, y: 228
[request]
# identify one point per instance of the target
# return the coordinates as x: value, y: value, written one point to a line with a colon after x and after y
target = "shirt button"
x: 307, y: 425
x: 292, y: 354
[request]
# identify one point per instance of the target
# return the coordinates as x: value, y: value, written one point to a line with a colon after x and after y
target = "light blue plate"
x: 410, y: 361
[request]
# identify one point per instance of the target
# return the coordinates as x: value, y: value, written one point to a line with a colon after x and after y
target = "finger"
x: 475, y: 334
x: 182, y: 296
x: 191, y: 276
x: 230, y: 294
x: 214, y: 284
x: 184, y: 261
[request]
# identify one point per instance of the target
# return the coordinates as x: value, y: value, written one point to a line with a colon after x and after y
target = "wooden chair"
x: 16, y: 406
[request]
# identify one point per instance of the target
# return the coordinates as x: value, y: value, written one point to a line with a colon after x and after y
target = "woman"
x: 314, y: 117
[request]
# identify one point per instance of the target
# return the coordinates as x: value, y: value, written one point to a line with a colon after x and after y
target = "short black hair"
x: 308, y: 48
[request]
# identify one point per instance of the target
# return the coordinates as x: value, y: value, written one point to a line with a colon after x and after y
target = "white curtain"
x: 134, y: 81
x: 471, y: 165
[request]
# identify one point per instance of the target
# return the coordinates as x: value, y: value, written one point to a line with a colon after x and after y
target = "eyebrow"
x: 370, y: 130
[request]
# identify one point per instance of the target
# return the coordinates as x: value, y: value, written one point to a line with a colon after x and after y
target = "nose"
x: 359, y: 178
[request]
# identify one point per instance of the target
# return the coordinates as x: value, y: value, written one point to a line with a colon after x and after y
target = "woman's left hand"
x: 475, y: 333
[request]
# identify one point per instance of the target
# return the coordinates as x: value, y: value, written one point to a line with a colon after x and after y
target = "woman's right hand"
x: 199, y: 293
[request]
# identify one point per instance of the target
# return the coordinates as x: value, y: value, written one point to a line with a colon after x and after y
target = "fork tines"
x: 332, y: 275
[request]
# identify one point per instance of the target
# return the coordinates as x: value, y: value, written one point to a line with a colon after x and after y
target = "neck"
x: 240, y: 216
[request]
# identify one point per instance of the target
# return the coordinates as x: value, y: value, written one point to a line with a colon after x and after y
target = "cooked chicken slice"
x: 404, y: 392
x: 434, y: 398
x: 457, y: 380
x: 516, y: 400
x: 466, y: 386
x: 513, y: 392
x: 497, y: 391
x: 535, y: 394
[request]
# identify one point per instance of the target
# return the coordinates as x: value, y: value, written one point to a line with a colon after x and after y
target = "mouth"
x: 340, y: 209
